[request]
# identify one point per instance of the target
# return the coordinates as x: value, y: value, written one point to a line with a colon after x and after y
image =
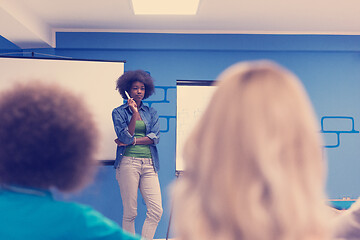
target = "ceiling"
x: 33, y: 23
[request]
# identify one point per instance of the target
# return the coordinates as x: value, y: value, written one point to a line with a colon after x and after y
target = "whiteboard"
x: 93, y: 81
x: 192, y: 100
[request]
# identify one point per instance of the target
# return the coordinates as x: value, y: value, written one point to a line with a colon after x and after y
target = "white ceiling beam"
x: 22, y: 28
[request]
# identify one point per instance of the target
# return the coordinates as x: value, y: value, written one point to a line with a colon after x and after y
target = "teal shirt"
x: 34, y: 214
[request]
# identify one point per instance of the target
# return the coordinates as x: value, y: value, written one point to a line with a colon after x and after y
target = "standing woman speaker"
x: 137, y: 162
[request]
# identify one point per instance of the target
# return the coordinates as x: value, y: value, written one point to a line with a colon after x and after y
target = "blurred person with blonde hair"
x: 48, y: 141
x: 254, y: 165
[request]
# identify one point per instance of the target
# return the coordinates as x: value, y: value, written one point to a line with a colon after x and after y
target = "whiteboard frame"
x: 178, y: 160
x: 70, y: 59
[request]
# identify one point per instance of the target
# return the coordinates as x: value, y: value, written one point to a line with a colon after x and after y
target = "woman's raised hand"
x: 132, y: 104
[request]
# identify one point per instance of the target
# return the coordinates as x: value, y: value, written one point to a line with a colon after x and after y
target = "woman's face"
x: 137, y: 91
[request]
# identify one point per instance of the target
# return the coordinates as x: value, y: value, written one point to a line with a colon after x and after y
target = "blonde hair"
x: 254, y: 164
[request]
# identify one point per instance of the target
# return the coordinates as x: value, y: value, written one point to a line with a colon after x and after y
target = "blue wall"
x: 7, y: 47
x: 329, y: 67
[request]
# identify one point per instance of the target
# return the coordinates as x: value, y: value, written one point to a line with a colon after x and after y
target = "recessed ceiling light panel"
x: 165, y: 7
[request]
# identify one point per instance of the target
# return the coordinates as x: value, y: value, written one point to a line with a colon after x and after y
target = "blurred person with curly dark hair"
x: 48, y: 141
x: 137, y: 162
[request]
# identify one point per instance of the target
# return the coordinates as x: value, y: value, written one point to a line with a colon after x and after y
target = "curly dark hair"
x: 126, y: 80
x: 48, y: 138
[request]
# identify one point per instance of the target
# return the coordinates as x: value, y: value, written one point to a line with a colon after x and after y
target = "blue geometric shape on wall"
x: 167, y: 118
x: 338, y: 132
x: 164, y: 100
